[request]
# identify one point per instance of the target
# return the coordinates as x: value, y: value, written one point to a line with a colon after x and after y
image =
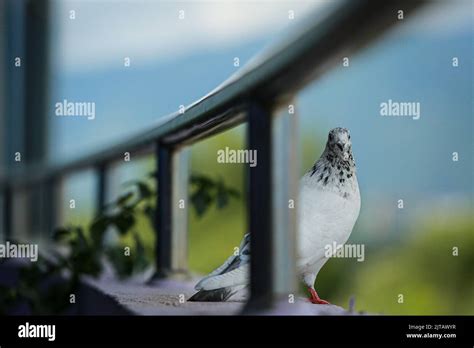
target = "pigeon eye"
x: 349, y: 137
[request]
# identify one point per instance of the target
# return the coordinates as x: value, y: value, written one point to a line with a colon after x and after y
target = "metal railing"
x: 259, y: 95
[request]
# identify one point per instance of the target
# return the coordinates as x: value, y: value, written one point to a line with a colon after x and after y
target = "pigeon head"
x: 339, y: 143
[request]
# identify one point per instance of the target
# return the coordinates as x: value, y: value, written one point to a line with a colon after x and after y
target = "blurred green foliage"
x: 44, y: 287
x: 424, y: 268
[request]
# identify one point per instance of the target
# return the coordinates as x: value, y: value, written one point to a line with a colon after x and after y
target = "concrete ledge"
x: 108, y: 295
x: 168, y: 297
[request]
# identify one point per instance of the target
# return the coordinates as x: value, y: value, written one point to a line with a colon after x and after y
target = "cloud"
x: 149, y: 31
x: 104, y: 32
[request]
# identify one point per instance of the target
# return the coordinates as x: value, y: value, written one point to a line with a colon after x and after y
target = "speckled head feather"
x: 339, y: 143
x: 336, y: 167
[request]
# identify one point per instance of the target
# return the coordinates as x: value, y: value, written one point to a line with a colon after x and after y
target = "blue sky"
x: 414, y: 155
x: 173, y: 61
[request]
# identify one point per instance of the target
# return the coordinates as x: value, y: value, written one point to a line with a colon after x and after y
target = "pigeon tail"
x: 216, y: 295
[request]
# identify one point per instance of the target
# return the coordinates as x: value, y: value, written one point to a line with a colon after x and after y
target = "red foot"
x: 315, y: 298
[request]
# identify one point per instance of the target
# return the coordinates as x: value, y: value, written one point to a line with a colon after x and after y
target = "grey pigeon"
x: 329, y: 204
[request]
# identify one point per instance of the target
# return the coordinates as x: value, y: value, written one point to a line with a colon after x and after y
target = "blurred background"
x: 179, y: 51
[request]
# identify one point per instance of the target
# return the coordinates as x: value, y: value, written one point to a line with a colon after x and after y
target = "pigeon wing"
x: 238, y: 276
x: 234, y: 271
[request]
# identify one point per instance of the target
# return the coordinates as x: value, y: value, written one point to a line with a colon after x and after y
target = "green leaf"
x: 141, y: 261
x: 124, y: 222
x: 61, y: 233
x: 202, y: 181
x: 150, y: 212
x: 123, y: 265
x: 81, y: 238
x: 144, y: 190
x: 233, y: 192
x: 222, y: 196
x: 124, y: 199
x: 201, y: 201
x: 98, y: 228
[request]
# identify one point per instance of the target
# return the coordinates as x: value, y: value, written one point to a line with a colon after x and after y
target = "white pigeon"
x: 329, y: 204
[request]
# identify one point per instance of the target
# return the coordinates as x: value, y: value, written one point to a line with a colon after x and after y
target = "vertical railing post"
x: 101, y: 188
x: 33, y: 211
x: 259, y: 209
x: 179, y: 210
x: 7, y: 213
x: 285, y: 180
x: 163, y: 218
x: 171, y: 213
x: 272, y: 221
x: 50, y: 206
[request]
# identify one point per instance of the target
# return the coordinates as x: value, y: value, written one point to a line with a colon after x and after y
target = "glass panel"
x: 215, y: 232
x: 121, y: 179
